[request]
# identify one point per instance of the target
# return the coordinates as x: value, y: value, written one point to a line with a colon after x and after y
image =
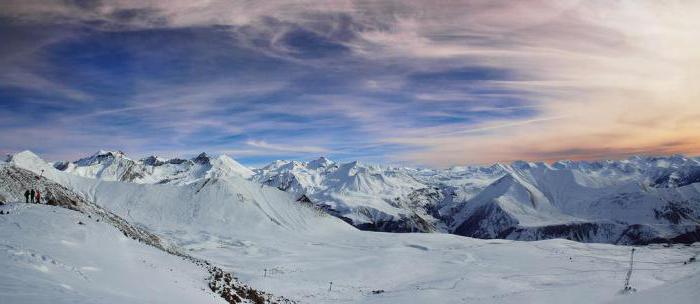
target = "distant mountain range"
x: 633, y: 201
x: 115, y: 166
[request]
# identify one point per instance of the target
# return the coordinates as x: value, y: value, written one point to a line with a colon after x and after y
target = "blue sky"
x: 384, y: 82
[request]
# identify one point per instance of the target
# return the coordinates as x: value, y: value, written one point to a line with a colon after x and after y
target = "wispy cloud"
x: 286, y: 148
x: 437, y: 84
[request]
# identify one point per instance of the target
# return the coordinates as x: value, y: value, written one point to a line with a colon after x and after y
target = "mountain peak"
x: 321, y: 162
x: 521, y: 164
x: 100, y: 157
x: 352, y: 168
x: 30, y: 161
x: 108, y: 153
x: 202, y: 158
x: 224, y: 165
x: 26, y: 154
x: 153, y: 161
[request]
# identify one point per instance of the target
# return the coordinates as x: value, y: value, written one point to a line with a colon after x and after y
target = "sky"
x: 420, y: 83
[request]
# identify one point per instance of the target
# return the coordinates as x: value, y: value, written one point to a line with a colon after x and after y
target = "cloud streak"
x: 285, y: 148
x: 419, y: 83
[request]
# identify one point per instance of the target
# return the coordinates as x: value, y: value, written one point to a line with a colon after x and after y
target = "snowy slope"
x: 14, y: 180
x: 276, y: 244
x: 115, y: 166
x: 227, y: 203
x: 682, y: 291
x: 47, y: 257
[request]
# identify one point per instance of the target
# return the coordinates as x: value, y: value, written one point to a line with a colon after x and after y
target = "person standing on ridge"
x: 38, y: 197
x: 26, y: 196
x: 31, y: 196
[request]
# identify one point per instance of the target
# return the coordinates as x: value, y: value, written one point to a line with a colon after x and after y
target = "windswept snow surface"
x: 684, y: 290
x: 47, y: 257
x: 253, y: 230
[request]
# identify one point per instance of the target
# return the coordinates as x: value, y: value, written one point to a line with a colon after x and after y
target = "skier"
x: 31, y: 196
x: 26, y: 196
x: 38, y: 197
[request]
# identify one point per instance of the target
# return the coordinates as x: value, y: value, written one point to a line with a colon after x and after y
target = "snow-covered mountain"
x: 67, y: 249
x: 205, y: 202
x: 633, y: 201
x: 369, y: 197
x: 638, y: 200
x: 274, y: 243
x: 115, y: 166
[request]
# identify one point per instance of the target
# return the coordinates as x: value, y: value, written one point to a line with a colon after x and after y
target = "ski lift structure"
x: 628, y: 288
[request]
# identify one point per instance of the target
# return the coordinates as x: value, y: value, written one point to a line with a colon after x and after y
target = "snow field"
x: 46, y: 256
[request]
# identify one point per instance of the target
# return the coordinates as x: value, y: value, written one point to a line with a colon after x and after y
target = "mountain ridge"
x: 636, y: 200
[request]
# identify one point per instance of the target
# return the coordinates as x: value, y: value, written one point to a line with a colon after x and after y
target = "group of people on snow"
x: 32, y: 196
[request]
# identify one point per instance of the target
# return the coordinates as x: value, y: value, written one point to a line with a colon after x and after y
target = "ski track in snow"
x: 47, y: 257
x: 38, y: 260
